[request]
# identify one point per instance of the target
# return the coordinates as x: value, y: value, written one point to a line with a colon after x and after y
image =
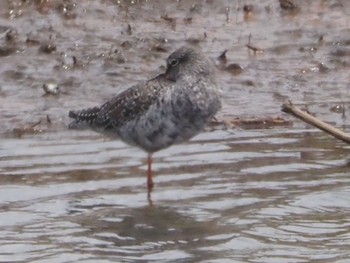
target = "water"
x: 249, y: 196
x: 229, y: 195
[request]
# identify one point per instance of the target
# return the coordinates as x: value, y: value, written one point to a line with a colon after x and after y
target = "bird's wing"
x: 130, y: 103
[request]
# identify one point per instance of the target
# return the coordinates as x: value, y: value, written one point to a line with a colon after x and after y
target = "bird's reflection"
x: 149, y: 198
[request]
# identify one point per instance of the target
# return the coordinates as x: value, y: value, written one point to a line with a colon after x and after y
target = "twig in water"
x: 316, y: 122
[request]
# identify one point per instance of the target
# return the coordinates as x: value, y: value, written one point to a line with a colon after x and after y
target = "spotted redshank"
x: 168, y: 109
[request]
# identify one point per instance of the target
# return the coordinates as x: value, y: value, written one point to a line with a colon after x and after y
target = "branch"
x: 306, y: 117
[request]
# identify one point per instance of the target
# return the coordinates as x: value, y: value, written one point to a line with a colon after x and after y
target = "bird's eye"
x: 174, y: 62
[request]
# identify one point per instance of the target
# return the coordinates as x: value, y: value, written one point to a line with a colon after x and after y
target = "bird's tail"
x: 83, y: 118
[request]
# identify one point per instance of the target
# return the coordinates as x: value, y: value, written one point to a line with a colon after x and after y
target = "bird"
x: 168, y: 109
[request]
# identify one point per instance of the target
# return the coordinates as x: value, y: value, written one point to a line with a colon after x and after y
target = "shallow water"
x: 229, y: 195
x: 248, y: 196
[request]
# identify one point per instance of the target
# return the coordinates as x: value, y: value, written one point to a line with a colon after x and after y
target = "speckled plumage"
x: 168, y: 109
x: 171, y: 108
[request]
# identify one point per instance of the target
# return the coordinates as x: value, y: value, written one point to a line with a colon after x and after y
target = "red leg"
x: 150, y: 183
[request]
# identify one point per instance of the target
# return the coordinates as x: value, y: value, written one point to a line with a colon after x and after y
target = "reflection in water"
x: 258, y: 198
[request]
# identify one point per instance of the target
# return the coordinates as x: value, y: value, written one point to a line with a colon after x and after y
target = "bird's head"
x: 188, y: 61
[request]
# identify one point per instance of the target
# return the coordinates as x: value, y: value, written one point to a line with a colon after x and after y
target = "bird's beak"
x: 171, y: 75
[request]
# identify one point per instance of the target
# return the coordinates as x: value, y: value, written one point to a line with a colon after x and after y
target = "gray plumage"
x: 168, y: 109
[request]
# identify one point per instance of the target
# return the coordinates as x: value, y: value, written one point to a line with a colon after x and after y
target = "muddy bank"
x: 92, y: 49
